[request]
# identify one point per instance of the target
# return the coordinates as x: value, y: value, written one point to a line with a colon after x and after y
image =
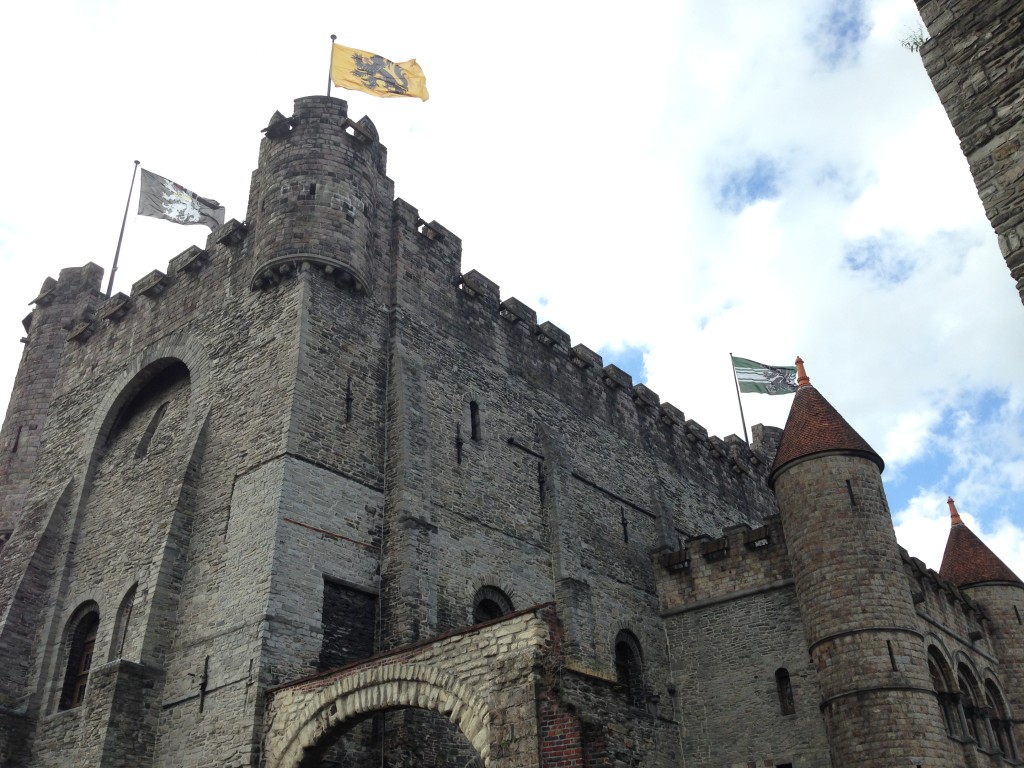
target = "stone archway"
x: 482, y: 680
x: 391, y: 686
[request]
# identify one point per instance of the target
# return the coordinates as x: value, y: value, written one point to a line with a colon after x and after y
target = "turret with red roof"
x: 858, y: 614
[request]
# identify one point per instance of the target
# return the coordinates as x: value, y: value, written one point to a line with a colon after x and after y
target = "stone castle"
x: 314, y: 496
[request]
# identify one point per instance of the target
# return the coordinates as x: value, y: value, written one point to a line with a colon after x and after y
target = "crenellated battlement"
x: 93, y: 310
x: 581, y: 361
x: 740, y: 561
x: 940, y: 599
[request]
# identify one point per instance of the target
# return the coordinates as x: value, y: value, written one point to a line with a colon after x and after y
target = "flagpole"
x: 117, y: 252
x: 739, y: 400
x: 331, y: 70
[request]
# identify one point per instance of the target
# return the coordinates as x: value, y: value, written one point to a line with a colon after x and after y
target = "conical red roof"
x: 814, y: 426
x: 967, y: 560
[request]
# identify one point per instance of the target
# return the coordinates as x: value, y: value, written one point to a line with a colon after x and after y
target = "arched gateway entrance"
x: 481, y: 679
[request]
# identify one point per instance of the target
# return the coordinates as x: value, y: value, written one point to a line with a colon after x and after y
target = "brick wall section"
x: 561, y: 736
x: 974, y: 61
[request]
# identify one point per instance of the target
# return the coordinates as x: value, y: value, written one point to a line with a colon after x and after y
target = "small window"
x: 629, y: 672
x: 785, y: 691
x: 490, y: 603
x: 474, y: 420
x: 80, y: 654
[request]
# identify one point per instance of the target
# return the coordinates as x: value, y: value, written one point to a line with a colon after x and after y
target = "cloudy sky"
x: 667, y: 182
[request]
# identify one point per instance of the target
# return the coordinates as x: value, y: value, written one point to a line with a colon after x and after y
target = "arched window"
x: 629, y: 671
x: 490, y: 603
x: 1002, y: 725
x: 785, y: 691
x: 81, y: 644
x: 969, y: 701
x: 948, y: 699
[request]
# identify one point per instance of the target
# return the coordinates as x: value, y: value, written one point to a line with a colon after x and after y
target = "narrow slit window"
x: 785, y: 691
x: 474, y: 421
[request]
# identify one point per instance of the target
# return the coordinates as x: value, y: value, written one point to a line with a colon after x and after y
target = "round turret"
x: 983, y: 577
x: 320, y: 195
x: 857, y: 610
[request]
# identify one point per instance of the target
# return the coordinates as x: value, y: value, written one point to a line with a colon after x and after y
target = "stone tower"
x: 974, y: 60
x: 981, y: 575
x: 858, y: 616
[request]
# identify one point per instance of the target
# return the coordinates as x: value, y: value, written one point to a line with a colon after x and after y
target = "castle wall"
x: 974, y: 60
x: 323, y: 397
x: 733, y: 622
x: 571, y: 478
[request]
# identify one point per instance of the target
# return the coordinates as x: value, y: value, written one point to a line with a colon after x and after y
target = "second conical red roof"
x: 967, y: 560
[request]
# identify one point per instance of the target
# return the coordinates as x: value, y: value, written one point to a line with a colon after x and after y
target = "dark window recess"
x: 17, y: 439
x: 625, y: 525
x: 80, y: 653
x: 490, y: 603
x: 785, y: 690
x: 312, y: 189
x: 629, y: 672
x: 474, y: 421
x: 349, y: 617
x: 147, y: 436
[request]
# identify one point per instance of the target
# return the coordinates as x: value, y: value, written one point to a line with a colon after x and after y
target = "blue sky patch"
x: 744, y: 187
x: 938, y: 469
x: 840, y: 32
x: 629, y: 359
x: 885, y: 258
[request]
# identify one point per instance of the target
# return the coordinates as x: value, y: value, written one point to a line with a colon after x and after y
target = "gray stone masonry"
x: 974, y: 60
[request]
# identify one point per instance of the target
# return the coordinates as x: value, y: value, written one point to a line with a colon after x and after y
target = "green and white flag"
x: 166, y: 199
x: 766, y: 379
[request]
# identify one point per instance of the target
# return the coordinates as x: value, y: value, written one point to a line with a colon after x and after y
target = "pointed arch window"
x: 81, y: 647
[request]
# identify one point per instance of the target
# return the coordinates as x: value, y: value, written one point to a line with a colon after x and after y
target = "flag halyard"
x: 166, y: 199
x: 370, y: 73
x: 753, y: 376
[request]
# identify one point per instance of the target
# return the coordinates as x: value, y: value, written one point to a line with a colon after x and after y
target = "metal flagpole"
x: 113, y: 269
x: 331, y: 70
x: 736, y: 381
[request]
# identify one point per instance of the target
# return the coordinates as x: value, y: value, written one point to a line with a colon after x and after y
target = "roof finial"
x: 801, y: 374
x: 954, y: 516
